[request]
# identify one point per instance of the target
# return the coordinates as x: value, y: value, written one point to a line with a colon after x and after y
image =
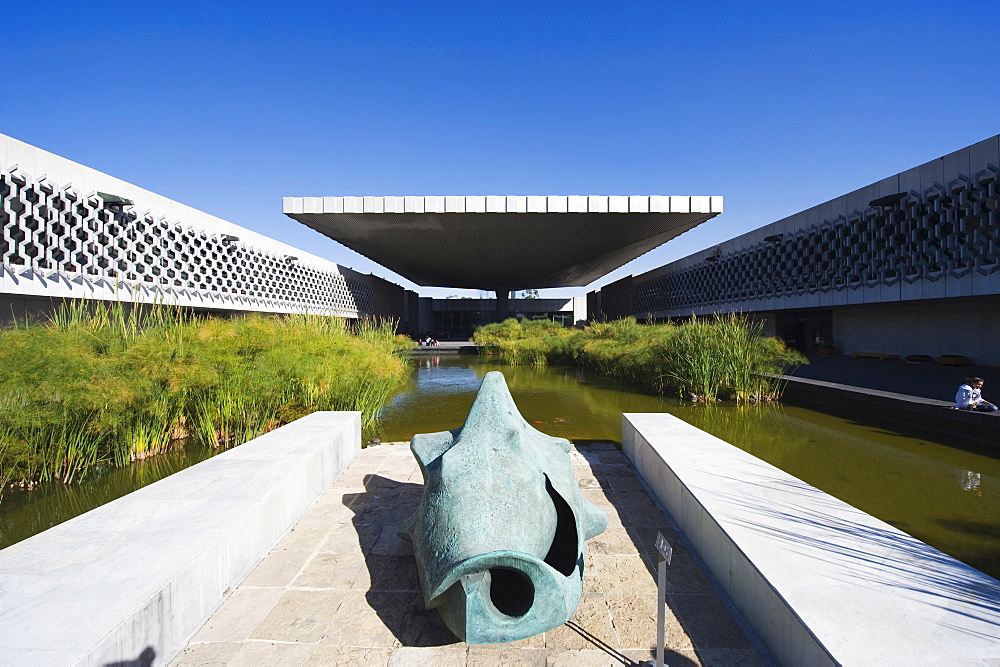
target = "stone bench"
x: 131, y: 581
x: 821, y: 582
x: 874, y: 355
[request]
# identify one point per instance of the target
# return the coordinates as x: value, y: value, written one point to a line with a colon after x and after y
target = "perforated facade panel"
x: 930, y: 232
x: 57, y: 241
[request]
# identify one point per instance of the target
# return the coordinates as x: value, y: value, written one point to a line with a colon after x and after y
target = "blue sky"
x: 230, y: 106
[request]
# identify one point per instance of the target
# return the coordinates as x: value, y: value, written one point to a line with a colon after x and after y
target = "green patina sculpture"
x: 499, y: 534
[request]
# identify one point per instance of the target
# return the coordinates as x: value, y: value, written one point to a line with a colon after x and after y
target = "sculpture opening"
x: 511, y: 591
x: 499, y: 535
x: 563, y: 555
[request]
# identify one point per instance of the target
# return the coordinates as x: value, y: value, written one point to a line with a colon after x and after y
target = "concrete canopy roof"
x: 502, y: 243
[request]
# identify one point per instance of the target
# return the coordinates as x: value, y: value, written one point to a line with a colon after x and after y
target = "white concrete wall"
x: 139, y: 575
x: 977, y: 163
x: 35, y: 163
x: 23, y: 160
x: 821, y: 582
x: 506, y: 204
x: 579, y: 309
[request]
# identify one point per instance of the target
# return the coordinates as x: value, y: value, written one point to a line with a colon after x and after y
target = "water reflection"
x: 429, y: 362
x: 927, y: 486
x: 970, y: 481
x: 24, y: 513
x: 904, y: 478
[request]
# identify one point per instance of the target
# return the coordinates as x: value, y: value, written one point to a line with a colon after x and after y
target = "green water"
x: 944, y: 493
x: 23, y: 513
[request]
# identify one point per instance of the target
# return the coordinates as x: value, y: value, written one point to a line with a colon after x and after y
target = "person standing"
x: 970, y: 397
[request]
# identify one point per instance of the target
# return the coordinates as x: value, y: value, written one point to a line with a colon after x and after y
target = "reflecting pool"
x: 944, y: 493
x: 25, y: 513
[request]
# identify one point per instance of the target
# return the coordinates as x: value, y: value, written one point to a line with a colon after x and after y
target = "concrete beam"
x: 499, y: 243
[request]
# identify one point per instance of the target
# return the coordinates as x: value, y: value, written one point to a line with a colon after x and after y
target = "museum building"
x: 502, y: 244
x: 71, y: 232
x: 906, y: 266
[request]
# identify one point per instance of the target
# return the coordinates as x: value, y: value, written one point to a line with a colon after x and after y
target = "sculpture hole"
x: 562, y: 554
x: 511, y: 591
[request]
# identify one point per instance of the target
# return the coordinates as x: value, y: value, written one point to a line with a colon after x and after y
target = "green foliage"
x: 520, y: 343
x: 114, y: 384
x: 725, y: 357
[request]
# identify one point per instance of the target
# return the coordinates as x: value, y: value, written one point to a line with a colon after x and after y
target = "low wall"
x: 925, y: 413
x: 132, y: 580
x: 820, y: 582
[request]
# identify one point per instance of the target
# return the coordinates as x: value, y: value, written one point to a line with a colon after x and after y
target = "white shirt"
x: 967, y: 397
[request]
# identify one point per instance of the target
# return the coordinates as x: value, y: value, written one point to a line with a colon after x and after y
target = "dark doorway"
x: 807, y: 330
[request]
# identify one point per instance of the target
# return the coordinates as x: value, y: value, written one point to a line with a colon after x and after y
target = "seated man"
x: 970, y: 397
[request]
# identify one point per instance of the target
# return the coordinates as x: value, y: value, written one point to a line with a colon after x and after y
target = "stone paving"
x: 342, y: 589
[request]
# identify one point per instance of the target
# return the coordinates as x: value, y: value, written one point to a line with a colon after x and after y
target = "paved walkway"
x: 342, y: 588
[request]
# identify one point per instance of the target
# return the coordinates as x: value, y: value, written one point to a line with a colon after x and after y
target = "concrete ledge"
x: 912, y: 410
x: 446, y: 347
x: 821, y: 582
x: 131, y: 581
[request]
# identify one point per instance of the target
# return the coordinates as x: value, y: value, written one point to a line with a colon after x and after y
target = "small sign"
x: 666, y: 551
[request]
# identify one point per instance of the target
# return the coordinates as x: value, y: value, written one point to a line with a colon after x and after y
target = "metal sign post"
x: 666, y: 553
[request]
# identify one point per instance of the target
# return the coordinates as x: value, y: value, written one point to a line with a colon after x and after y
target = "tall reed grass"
x: 519, y: 343
x: 726, y: 357
x: 114, y: 384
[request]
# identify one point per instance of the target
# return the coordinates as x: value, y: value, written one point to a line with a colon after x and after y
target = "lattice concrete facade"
x: 929, y: 232
x: 66, y: 234
x: 902, y: 244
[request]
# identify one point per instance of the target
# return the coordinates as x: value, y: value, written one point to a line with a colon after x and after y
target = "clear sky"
x: 229, y: 106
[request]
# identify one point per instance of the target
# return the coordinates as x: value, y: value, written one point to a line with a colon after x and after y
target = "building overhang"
x: 502, y: 243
